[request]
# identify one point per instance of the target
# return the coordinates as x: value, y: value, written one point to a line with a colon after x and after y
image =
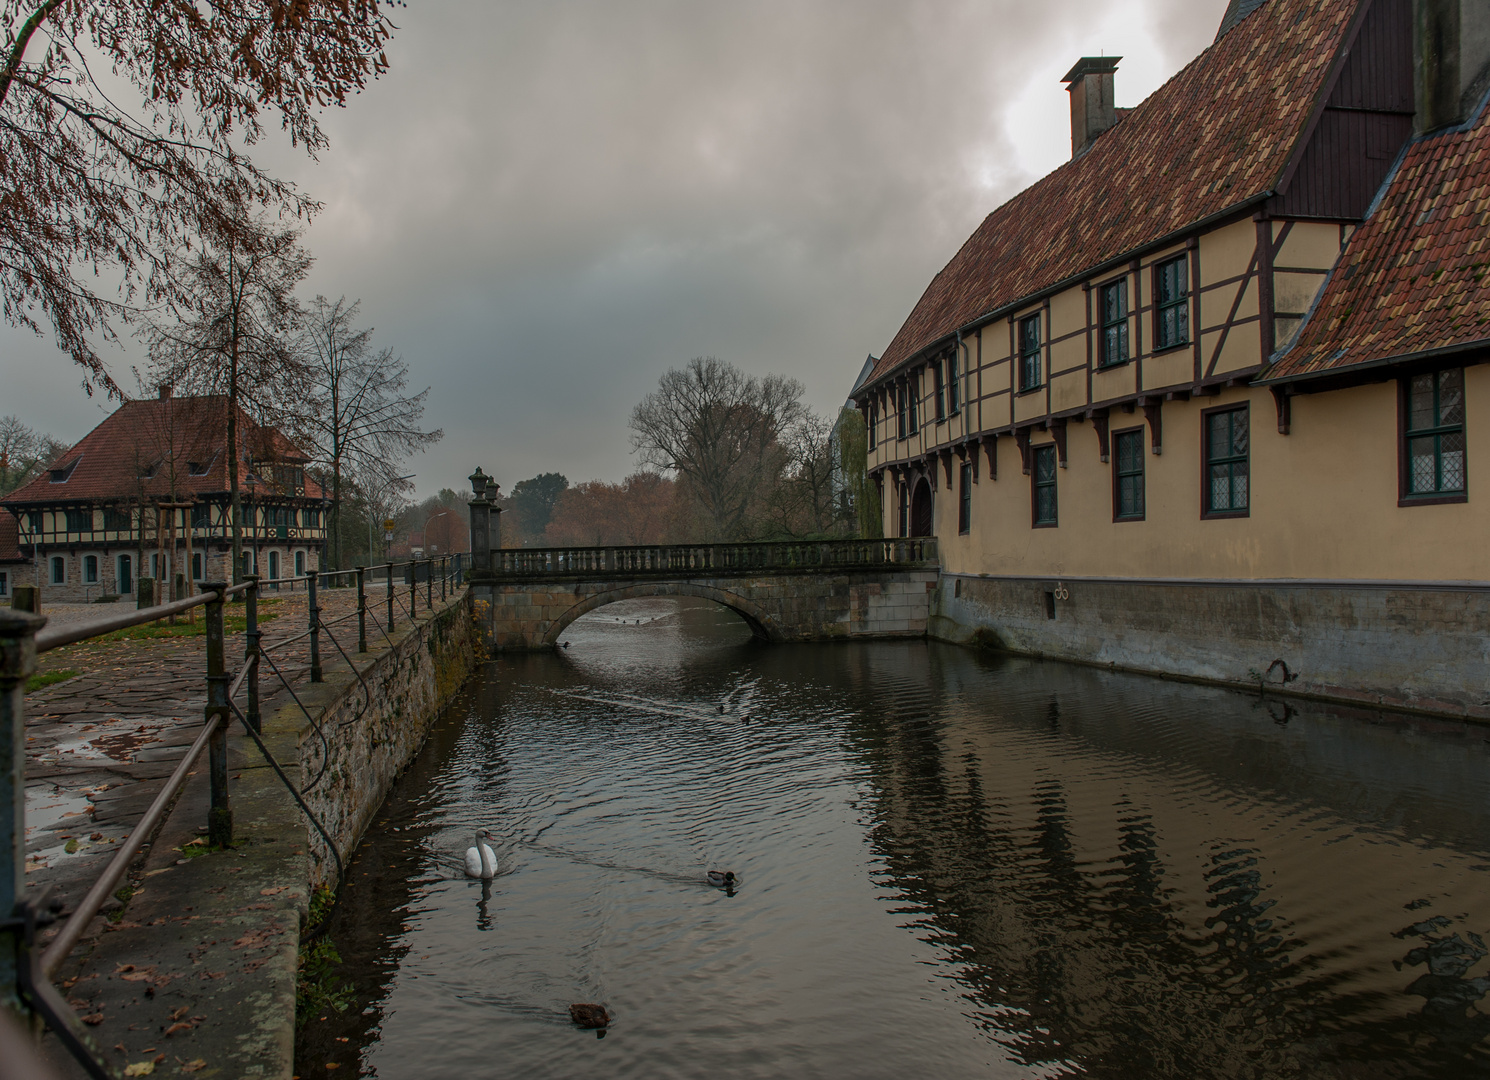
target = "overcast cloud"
x: 547, y: 203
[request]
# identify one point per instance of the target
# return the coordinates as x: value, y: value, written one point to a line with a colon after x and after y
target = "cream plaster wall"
x: 1324, y: 501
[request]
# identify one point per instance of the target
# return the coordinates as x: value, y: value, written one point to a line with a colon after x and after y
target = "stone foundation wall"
x: 778, y: 607
x: 371, y: 732
x: 1394, y: 645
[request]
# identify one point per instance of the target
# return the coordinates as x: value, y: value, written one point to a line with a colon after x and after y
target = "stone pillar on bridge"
x: 481, y: 539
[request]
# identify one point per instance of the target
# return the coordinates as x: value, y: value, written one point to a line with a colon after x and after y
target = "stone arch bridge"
x: 800, y: 591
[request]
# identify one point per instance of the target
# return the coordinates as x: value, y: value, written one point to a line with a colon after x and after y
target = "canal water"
x: 951, y: 864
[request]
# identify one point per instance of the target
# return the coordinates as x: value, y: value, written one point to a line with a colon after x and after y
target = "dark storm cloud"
x: 545, y: 205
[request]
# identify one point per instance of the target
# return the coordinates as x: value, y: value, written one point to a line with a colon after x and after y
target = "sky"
x: 545, y: 204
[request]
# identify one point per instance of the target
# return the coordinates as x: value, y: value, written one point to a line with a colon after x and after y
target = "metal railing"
x: 700, y: 560
x: 26, y: 971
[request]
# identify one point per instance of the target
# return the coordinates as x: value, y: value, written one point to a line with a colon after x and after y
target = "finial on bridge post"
x: 480, y: 522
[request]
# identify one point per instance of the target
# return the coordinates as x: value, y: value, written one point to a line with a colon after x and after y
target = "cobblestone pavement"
x: 101, y: 743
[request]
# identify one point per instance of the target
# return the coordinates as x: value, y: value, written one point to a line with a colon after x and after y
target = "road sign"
x: 389, y: 525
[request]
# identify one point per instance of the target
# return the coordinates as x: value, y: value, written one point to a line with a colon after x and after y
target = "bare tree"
x: 802, y: 503
x: 718, y: 428
x: 24, y: 453
x: 236, y: 338
x: 357, y: 406
x: 86, y: 184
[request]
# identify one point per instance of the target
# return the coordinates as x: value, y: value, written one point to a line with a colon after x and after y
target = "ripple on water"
x: 949, y: 865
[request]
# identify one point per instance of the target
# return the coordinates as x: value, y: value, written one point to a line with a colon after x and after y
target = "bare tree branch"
x: 356, y: 407
x: 87, y: 185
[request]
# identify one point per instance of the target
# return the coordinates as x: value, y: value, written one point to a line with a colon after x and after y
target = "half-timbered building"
x: 146, y: 494
x: 1211, y: 394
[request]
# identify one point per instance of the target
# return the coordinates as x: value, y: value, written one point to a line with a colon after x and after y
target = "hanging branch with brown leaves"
x: 87, y: 184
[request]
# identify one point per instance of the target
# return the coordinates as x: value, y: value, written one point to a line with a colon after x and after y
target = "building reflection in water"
x: 1131, y: 878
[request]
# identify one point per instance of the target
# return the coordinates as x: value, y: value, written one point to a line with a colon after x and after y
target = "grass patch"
x: 195, y: 849
x: 318, y: 988
x: 48, y: 678
x: 122, y: 894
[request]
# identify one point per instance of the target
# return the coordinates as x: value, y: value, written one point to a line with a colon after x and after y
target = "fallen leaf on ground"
x: 271, y: 892
x: 93, y: 1019
x: 179, y: 1013
x: 178, y: 1027
x: 140, y: 1068
x: 194, y: 1065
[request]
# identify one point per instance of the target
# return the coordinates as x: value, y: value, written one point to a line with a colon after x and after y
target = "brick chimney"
x: 165, y: 391
x: 1092, y: 107
x: 1451, y: 60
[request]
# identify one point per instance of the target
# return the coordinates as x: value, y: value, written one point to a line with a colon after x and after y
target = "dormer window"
x: 60, y: 475
x: 149, y: 471
x: 195, y: 468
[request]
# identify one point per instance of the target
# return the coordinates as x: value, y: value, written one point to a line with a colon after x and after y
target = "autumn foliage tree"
x: 639, y: 510
x: 95, y: 192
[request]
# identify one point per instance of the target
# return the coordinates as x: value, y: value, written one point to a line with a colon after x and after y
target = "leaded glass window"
x: 954, y: 396
x: 1227, y: 451
x: 1045, y: 503
x: 1435, y: 433
x: 937, y: 378
x: 1128, y: 451
x: 1029, y: 353
x: 1114, y: 302
x: 915, y: 403
x: 1172, y: 303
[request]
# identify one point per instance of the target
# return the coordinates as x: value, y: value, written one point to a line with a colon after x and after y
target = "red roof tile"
x: 1215, y: 136
x: 166, y: 437
x: 1416, y: 275
x: 10, y: 539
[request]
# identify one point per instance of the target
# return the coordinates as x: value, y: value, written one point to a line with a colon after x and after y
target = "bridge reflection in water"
x: 953, y: 865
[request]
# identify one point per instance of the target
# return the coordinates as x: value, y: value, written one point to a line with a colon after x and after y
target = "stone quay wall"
x: 369, y: 728
x: 1396, y: 645
x: 778, y: 607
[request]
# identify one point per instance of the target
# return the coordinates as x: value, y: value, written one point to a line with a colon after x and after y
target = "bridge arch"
x: 761, y: 624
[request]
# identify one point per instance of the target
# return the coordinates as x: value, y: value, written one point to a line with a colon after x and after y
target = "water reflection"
x: 950, y: 863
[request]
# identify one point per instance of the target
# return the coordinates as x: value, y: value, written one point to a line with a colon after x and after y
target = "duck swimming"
x: 589, y: 1016
x: 723, y: 879
x: 481, y: 861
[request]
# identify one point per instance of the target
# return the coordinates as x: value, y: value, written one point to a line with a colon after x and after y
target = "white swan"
x: 480, y: 860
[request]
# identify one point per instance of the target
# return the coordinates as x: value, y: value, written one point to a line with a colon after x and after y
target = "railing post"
x: 413, y: 589
x: 429, y: 584
x: 17, y: 662
x: 390, y: 596
x: 362, y: 609
x: 220, y: 816
x: 311, y: 582
x: 251, y: 650
x: 444, y: 575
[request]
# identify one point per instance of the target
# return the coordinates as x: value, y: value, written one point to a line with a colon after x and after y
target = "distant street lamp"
x: 428, y: 547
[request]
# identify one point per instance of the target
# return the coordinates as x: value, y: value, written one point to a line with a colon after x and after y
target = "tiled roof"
x: 1214, y: 137
x: 1416, y: 275
x: 165, y: 437
x: 10, y: 539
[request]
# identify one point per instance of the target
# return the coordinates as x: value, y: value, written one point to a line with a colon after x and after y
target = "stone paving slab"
x: 100, y: 744
x: 196, y: 974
